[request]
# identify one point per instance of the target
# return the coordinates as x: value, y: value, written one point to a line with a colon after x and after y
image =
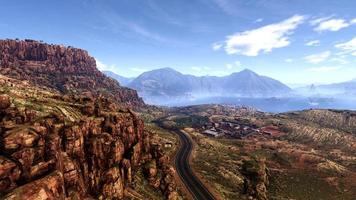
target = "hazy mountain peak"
x: 121, y: 79
x: 248, y: 71
x: 162, y: 71
x: 245, y: 72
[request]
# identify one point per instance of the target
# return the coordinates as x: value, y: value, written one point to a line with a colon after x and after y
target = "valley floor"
x: 301, y: 155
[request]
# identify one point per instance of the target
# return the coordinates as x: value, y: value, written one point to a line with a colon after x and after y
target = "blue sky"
x: 296, y: 41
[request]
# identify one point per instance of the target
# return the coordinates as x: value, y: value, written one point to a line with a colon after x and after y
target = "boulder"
x: 50, y: 187
x: 5, y: 102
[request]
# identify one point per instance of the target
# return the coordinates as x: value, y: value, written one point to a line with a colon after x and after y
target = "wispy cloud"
x: 348, y: 47
x: 217, y: 46
x: 238, y: 63
x: 317, y: 21
x: 258, y: 20
x: 313, y: 43
x: 328, y: 24
x: 226, y: 6
x: 116, y: 23
x: 288, y: 60
x: 111, y: 21
x: 317, y: 58
x: 234, y: 65
x: 229, y: 66
x: 201, y: 69
x: 137, y: 69
x: 103, y: 67
x: 324, y: 69
x: 263, y: 39
x: 340, y: 60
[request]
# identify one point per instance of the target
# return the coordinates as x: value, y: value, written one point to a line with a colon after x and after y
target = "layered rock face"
x: 66, y: 130
x: 66, y: 69
x: 93, y: 157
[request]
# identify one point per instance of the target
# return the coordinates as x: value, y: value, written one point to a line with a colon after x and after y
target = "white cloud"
x: 196, y: 68
x: 258, y: 20
x: 313, y: 43
x: 103, y: 67
x: 263, y: 39
x: 238, y: 63
x: 317, y: 21
x: 229, y: 66
x: 217, y: 46
x: 340, y: 60
x: 288, y: 60
x: 136, y: 69
x: 317, y: 58
x: 331, y: 25
x: 324, y: 69
x: 348, y: 47
x: 353, y: 21
x: 233, y: 65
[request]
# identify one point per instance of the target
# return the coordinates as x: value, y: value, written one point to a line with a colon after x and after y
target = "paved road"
x: 193, y: 184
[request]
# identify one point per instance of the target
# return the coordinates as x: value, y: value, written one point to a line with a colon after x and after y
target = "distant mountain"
x: 122, y: 80
x: 346, y: 89
x: 168, y: 84
x: 248, y: 83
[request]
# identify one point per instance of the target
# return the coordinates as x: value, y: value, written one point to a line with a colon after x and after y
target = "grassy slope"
x: 291, y: 175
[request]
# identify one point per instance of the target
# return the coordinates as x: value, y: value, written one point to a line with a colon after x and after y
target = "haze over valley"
x: 169, y: 87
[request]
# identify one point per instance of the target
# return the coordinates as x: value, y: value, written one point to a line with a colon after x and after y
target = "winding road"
x: 192, y: 183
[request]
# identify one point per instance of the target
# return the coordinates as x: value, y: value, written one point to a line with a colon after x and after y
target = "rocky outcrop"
x: 66, y: 69
x: 4, y: 102
x: 160, y: 174
x: 93, y: 157
x: 256, y: 179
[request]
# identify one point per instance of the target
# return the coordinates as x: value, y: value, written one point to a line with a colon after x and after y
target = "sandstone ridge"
x: 65, y: 69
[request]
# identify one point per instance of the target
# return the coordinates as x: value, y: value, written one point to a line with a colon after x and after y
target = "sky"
x: 297, y: 41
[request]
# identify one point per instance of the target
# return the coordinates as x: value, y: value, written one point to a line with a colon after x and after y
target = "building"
x: 272, y: 131
x: 168, y: 145
x: 211, y: 133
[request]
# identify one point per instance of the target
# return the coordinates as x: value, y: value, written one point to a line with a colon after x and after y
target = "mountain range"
x: 124, y: 81
x: 344, y: 89
x: 168, y: 84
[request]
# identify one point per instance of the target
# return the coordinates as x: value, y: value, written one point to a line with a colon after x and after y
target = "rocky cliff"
x: 66, y: 69
x: 70, y: 139
x: 92, y: 156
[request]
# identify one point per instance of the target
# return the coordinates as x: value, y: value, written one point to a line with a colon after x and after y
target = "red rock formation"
x: 66, y: 69
x: 51, y: 155
x: 95, y: 156
x: 56, y: 159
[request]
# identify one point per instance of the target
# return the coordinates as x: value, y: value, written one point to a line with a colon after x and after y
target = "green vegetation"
x: 143, y: 188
